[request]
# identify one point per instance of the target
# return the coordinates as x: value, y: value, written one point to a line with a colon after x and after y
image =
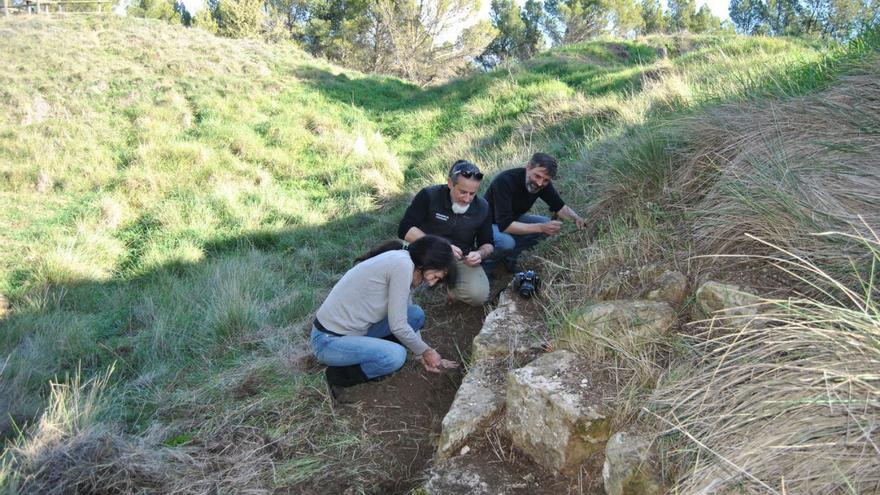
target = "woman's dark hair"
x: 428, y: 253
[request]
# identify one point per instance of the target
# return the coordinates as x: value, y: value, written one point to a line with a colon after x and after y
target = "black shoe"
x: 345, y: 376
x: 511, y: 266
x: 339, y: 377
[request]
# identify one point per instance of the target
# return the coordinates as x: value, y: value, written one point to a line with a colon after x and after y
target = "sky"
x: 719, y: 7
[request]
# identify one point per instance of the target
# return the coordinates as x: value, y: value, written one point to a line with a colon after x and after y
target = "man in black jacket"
x: 455, y: 212
x: 510, y: 196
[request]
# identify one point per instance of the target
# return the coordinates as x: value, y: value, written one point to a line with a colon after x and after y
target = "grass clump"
x: 786, y: 401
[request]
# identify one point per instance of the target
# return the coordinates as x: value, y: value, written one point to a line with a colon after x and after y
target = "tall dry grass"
x: 787, y: 401
x: 780, y: 170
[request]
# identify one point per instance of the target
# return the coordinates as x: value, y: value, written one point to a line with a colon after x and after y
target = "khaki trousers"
x: 472, y: 285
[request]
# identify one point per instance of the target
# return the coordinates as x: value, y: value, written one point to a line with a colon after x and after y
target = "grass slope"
x: 177, y: 204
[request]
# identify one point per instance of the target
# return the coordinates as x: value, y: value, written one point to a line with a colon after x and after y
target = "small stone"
x: 633, y: 324
x: 724, y: 300
x: 671, y: 287
x: 464, y: 450
x: 629, y: 466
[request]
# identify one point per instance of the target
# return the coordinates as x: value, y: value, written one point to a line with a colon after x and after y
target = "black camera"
x: 526, y: 283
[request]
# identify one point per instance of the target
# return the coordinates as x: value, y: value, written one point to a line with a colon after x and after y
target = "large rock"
x: 479, y: 399
x: 628, y: 468
x: 670, y: 287
x: 504, y: 331
x: 554, y: 414
x: 717, y: 299
x: 629, y: 324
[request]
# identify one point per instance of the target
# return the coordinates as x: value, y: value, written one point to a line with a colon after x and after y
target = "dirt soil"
x: 402, y: 414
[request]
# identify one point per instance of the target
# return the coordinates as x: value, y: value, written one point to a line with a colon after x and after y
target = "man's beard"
x: 458, y: 209
x: 532, y: 188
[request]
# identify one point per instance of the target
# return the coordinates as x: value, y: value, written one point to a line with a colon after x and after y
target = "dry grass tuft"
x: 785, y: 402
x: 781, y: 170
x: 70, y: 451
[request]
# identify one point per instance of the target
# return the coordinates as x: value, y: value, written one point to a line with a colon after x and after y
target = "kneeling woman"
x: 365, y: 325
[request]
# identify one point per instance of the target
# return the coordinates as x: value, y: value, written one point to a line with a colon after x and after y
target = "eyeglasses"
x: 467, y: 174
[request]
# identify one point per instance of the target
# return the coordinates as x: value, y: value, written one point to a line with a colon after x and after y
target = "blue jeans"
x: 377, y: 357
x: 509, y: 246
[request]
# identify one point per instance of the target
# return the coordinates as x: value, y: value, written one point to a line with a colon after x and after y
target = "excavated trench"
x: 402, y: 416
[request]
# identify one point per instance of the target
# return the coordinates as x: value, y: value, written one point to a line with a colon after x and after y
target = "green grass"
x: 181, y: 206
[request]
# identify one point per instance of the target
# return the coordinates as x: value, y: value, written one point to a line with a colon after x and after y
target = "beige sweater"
x: 373, y: 289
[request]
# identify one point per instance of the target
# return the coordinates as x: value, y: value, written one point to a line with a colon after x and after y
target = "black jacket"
x: 509, y: 199
x: 431, y: 211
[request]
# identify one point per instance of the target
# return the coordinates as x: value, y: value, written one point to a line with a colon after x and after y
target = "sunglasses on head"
x: 467, y: 174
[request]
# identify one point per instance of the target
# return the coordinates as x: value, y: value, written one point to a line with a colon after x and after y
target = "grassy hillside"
x: 176, y: 205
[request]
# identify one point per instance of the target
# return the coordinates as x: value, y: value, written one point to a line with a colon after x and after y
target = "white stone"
x: 476, y: 403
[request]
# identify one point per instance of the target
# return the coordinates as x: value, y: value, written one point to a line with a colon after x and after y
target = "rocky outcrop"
x: 479, y: 399
x: 724, y: 300
x: 630, y: 324
x: 553, y: 415
x: 629, y: 467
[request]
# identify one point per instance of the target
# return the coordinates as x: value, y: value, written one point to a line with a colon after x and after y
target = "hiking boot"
x: 511, y: 265
x: 339, y: 377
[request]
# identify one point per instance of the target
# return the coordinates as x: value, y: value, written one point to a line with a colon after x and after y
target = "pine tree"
x: 625, y: 17
x: 681, y: 13
x: 511, y: 34
x: 653, y: 20
x: 704, y: 21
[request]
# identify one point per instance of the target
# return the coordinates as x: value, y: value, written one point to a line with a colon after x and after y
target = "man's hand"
x: 473, y: 258
x: 567, y: 212
x: 550, y: 228
x: 456, y: 251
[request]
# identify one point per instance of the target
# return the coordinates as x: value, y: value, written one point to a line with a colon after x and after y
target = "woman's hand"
x: 433, y: 362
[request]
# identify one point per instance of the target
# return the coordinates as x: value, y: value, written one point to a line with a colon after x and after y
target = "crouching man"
x: 455, y: 212
x: 510, y: 196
